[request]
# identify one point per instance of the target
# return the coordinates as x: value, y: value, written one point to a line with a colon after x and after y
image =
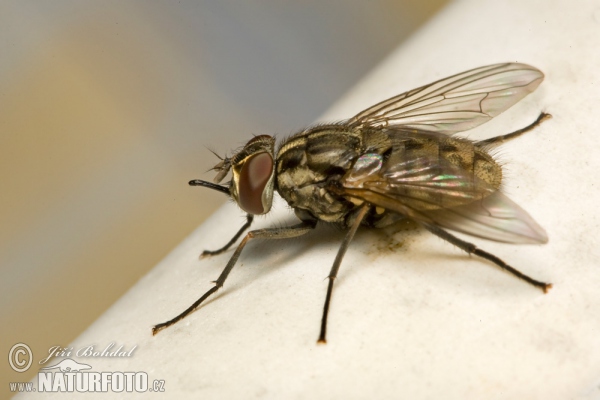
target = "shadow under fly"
x: 398, y: 159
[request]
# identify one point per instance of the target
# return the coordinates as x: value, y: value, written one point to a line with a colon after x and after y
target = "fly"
x: 398, y: 159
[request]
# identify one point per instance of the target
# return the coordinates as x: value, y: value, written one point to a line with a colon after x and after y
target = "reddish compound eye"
x: 253, y: 179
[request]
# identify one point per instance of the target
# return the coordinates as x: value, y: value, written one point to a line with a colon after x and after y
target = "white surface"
x: 422, y: 320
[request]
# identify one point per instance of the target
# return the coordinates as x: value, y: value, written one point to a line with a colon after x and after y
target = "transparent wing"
x: 431, y: 190
x: 457, y: 103
x: 495, y: 217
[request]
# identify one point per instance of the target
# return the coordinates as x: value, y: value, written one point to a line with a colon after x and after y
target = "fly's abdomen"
x: 470, y: 157
x: 460, y: 153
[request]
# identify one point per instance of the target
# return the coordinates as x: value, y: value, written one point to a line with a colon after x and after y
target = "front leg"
x: 269, y: 233
x: 249, y: 219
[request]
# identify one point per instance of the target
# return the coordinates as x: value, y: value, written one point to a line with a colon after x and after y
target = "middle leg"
x: 336, y: 266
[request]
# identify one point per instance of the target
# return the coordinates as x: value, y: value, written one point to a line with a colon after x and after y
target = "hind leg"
x: 497, y: 140
x: 472, y: 249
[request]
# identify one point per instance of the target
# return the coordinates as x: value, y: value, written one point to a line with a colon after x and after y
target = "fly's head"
x: 253, y: 173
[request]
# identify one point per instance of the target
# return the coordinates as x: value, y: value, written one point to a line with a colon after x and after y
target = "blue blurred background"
x: 108, y: 108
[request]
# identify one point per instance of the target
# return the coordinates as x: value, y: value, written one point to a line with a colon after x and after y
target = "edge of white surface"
x: 411, y: 315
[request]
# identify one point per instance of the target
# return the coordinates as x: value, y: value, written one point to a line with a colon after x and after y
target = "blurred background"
x: 108, y: 108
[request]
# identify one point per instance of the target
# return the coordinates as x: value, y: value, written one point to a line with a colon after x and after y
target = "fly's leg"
x: 472, y: 249
x: 271, y: 233
x: 222, y: 189
x: 249, y: 219
x: 336, y: 266
x: 503, y: 138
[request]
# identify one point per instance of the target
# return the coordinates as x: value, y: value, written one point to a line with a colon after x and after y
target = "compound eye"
x: 254, y: 176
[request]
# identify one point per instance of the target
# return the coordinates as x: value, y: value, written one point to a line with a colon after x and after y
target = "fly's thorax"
x: 253, y: 175
x: 308, y: 160
x: 322, y: 149
x: 329, y: 149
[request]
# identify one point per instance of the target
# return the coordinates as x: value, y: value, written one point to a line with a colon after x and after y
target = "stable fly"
x: 398, y: 159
